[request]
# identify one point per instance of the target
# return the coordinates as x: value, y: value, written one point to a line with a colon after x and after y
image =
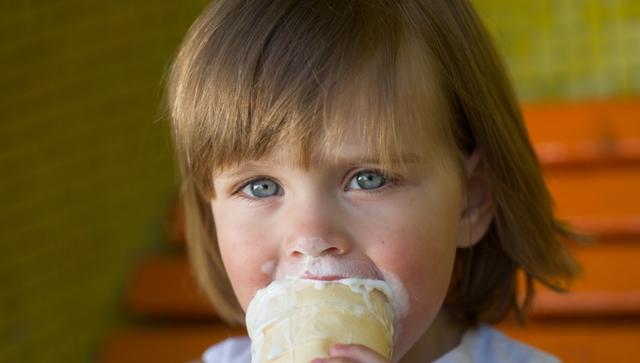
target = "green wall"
x: 568, y: 49
x: 87, y: 170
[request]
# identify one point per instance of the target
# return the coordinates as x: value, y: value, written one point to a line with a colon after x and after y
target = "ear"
x: 478, y: 210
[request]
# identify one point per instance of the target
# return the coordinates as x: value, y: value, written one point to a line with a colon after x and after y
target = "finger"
x: 356, y: 352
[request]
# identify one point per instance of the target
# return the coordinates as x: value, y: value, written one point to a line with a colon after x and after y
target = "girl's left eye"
x: 368, y: 180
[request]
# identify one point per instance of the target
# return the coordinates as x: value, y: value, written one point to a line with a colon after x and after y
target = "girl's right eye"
x: 261, y: 188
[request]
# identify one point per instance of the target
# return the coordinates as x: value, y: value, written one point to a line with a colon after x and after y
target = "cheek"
x: 421, y: 256
x: 417, y: 243
x: 243, y: 260
x: 423, y: 263
x: 413, y: 237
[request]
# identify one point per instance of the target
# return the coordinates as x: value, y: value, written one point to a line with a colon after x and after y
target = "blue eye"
x: 261, y: 188
x: 367, y: 180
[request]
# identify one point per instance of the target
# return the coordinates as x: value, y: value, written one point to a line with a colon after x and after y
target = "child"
x: 377, y: 138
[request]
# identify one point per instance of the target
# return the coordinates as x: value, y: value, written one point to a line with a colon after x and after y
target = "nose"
x: 314, y: 247
x: 317, y: 227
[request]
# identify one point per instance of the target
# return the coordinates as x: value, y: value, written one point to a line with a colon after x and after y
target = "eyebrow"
x: 255, y: 165
x: 409, y: 157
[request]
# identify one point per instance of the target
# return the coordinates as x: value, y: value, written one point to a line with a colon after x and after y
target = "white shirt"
x: 483, y: 344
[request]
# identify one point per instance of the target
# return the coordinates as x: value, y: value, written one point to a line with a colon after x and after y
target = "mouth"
x: 322, y: 278
x: 328, y: 269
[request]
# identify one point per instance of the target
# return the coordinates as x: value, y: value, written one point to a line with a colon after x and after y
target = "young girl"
x: 372, y: 138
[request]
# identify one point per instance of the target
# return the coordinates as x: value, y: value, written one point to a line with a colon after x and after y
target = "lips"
x: 327, y: 268
x: 323, y: 278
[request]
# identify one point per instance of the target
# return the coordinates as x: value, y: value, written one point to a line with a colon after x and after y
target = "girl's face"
x: 344, y: 220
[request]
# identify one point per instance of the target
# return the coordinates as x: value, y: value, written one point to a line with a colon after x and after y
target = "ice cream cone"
x: 297, y: 320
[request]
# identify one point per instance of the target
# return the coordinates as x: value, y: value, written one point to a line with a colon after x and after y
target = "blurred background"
x: 92, y: 264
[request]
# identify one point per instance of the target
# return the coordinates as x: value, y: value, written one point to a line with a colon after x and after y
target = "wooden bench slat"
x: 588, y: 132
x: 163, y: 286
x: 609, y: 285
x: 608, y: 266
x: 178, y: 343
x: 586, y: 304
x: 603, y: 227
x: 581, y: 340
x: 597, y: 194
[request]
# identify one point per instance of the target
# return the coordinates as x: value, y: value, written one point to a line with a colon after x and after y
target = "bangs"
x: 246, y: 81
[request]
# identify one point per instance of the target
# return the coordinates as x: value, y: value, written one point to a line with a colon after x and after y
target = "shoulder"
x: 486, y: 344
x: 231, y: 350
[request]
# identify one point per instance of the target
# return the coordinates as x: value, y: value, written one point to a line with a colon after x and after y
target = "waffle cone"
x: 300, y: 322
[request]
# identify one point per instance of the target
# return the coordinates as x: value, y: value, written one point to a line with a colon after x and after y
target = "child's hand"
x: 352, y: 353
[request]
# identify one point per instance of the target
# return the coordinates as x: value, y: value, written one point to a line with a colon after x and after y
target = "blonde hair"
x: 253, y: 74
